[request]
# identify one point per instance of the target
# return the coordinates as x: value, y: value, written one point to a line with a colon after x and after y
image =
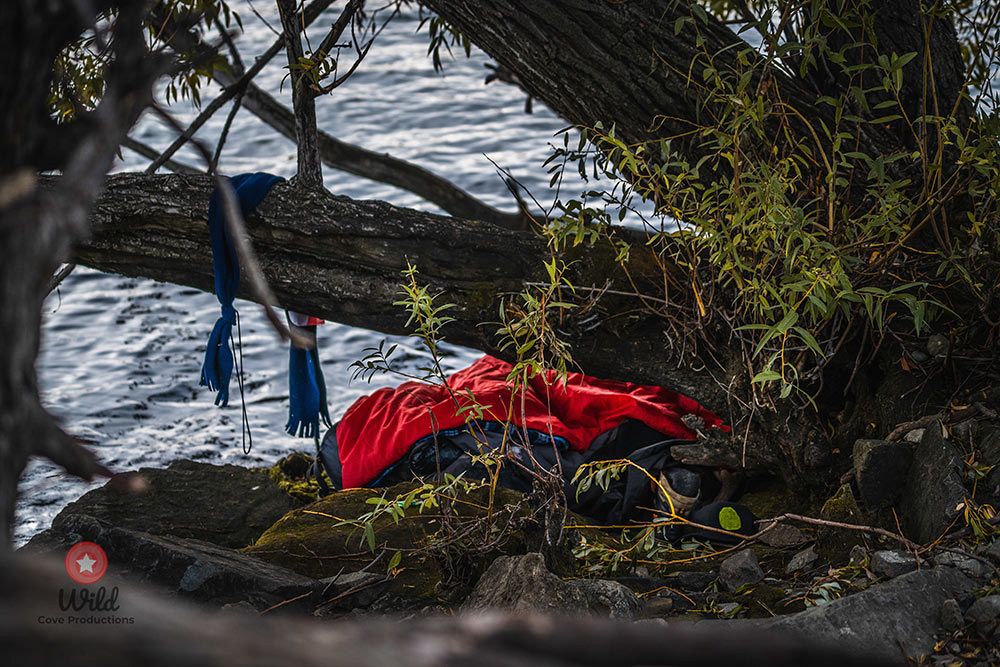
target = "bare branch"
x: 353, y: 159
x: 339, y: 26
x: 229, y: 93
x: 310, y: 168
x: 60, y: 276
x: 237, y: 105
x: 180, y: 635
x: 151, y: 153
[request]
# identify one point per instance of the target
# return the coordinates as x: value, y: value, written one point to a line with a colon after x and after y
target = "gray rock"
x: 802, y: 560
x: 350, y: 590
x: 892, y: 563
x: 728, y: 609
x: 192, y: 568
x: 914, y: 436
x: 880, y: 471
x: 933, y: 487
x: 889, y: 622
x: 522, y: 583
x: 952, y: 619
x: 984, y: 614
x: 740, y: 569
x: 657, y: 607
x: 967, y: 564
x: 992, y: 551
x: 783, y: 535
x: 858, y: 555
x: 225, y: 505
x: 242, y: 607
x: 694, y: 581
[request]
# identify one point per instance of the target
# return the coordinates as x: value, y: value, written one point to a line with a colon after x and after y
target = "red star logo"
x: 86, y: 563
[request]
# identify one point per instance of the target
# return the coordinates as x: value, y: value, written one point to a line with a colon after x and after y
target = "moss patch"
x: 770, y: 498
x: 325, y: 538
x: 291, y: 475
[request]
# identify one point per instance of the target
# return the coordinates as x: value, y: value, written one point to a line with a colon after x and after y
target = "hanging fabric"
x: 306, y: 386
x: 250, y: 190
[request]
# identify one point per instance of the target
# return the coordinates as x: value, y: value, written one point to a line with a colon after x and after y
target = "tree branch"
x: 649, y: 84
x: 310, y: 168
x: 152, y: 154
x: 168, y: 633
x: 349, y: 157
x: 37, y: 229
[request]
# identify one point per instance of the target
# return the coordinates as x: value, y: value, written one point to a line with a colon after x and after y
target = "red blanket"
x: 379, y: 429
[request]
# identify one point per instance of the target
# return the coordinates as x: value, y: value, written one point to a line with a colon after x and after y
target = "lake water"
x: 121, y: 358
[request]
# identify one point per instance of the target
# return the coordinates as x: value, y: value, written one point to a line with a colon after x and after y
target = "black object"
x: 629, y: 497
x: 683, y: 481
x: 725, y: 516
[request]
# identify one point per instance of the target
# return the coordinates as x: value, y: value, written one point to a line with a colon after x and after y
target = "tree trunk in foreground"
x: 38, y: 228
x: 169, y: 633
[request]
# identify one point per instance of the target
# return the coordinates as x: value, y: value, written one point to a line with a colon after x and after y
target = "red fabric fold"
x: 379, y: 429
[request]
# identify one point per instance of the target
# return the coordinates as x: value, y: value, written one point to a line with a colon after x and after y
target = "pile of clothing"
x: 420, y: 430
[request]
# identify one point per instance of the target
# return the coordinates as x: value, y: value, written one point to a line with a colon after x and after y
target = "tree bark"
x: 620, y: 64
x: 638, y: 66
x: 381, y: 167
x: 37, y: 228
x: 310, y: 171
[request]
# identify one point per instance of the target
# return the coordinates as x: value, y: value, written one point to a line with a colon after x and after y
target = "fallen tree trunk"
x: 172, y: 634
x: 343, y: 260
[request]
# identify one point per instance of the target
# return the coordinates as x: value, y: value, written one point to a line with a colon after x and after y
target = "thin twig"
x: 844, y: 526
x: 286, y: 602
x: 224, y: 135
x: 60, y: 276
x: 361, y: 53
x: 229, y: 93
x: 151, y: 153
x: 338, y: 27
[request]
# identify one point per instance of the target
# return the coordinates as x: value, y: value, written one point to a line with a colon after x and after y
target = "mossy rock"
x: 772, y: 498
x: 292, y: 475
x: 324, y: 539
x: 835, y: 544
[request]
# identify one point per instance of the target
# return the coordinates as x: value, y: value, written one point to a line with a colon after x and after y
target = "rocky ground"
x: 915, y: 577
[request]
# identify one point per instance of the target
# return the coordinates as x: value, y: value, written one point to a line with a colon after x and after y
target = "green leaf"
x: 809, y: 340
x: 766, y: 376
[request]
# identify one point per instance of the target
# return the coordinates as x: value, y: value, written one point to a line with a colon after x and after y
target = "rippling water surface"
x: 121, y: 357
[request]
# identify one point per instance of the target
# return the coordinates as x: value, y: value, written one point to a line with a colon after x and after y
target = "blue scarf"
x: 307, y: 389
x: 250, y: 192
